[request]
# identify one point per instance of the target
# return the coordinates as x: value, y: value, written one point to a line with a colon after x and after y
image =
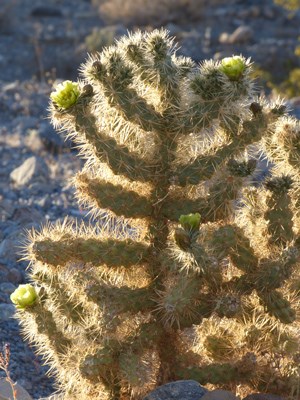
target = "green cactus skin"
x: 146, y: 296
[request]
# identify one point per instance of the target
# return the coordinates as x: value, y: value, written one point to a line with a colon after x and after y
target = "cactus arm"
x: 99, y: 365
x: 126, y: 100
x: 277, y: 306
x: 271, y: 275
x: 105, y: 195
x: 181, y: 304
x: 60, y: 295
x: 197, y: 117
x: 46, y: 325
x: 138, y: 368
x: 230, y: 240
x: 166, y: 71
x: 226, y: 188
x: 205, y: 166
x: 124, y: 360
x: 283, y: 144
x: 156, y: 65
x: 107, y: 149
x: 122, y: 298
x: 89, y: 250
x: 279, y: 214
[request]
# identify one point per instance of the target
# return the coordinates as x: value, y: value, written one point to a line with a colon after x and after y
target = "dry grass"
x: 154, y: 12
x: 4, y: 365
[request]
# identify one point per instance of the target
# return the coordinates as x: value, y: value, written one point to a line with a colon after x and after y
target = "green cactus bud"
x: 66, y: 94
x: 190, y: 222
x: 24, y: 296
x: 233, y: 67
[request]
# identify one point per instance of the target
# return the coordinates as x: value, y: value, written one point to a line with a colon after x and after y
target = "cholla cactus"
x: 195, y: 273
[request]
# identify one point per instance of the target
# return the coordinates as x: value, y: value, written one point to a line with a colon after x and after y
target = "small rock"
x: 44, y: 11
x: 6, y: 248
x: 219, y: 395
x: 32, y: 167
x: 242, y: 34
x: 3, y: 269
x: 6, y: 208
x: 179, y: 390
x: 15, y: 276
x: 7, y: 287
x: 263, y: 396
x: 33, y: 140
x: 6, y: 391
x: 6, y: 312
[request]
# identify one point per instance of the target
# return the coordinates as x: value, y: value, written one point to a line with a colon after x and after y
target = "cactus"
x: 193, y: 272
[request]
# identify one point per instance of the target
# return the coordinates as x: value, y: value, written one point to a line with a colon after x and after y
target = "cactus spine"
x: 193, y: 274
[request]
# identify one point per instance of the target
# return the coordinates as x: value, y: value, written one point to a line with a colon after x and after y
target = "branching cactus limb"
x: 194, y: 272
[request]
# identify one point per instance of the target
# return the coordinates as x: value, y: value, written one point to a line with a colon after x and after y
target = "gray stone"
x: 33, y: 167
x: 179, y: 390
x: 7, y: 287
x: 242, y: 34
x: 33, y: 141
x: 6, y: 208
x: 53, y: 397
x: 6, y: 311
x: 7, y: 246
x: 6, y: 391
x: 14, y: 276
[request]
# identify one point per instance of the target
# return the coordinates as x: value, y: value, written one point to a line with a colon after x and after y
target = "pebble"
x: 7, y: 287
x: 6, y: 247
x: 31, y: 167
x: 14, y: 276
x: 6, y: 208
x: 6, y: 311
x: 179, y: 390
x: 6, y: 391
x: 242, y: 34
